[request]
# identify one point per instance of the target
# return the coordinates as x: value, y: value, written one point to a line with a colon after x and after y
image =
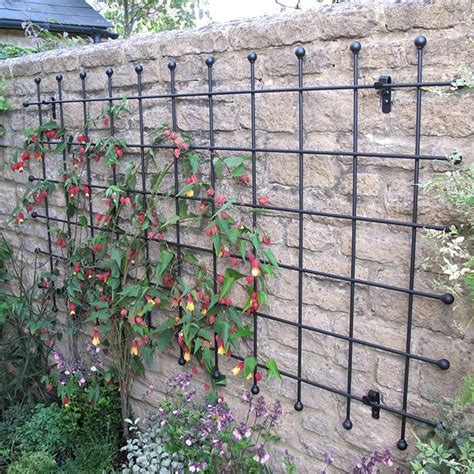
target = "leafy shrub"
x: 36, y: 462
x: 449, y: 447
x: 26, y: 330
x: 188, y: 436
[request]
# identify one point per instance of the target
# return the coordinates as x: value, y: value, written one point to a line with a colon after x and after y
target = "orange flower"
x: 255, y: 268
x: 134, y: 349
x: 238, y: 369
x: 187, y: 354
x: 96, y: 336
x: 190, y: 303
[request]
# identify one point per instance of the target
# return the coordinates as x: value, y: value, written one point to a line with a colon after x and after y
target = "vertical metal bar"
x: 139, y: 70
x: 46, y: 199
x: 174, y: 126
x: 210, y: 62
x: 83, y: 76
x: 109, y: 72
x: 59, y: 79
x: 420, y: 42
x: 355, y: 48
x: 300, y: 52
x: 252, y: 57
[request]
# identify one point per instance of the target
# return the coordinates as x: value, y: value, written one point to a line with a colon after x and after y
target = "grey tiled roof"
x: 63, y: 12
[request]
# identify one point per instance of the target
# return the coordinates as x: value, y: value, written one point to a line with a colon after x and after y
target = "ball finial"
x: 447, y: 298
x: 138, y: 68
x: 402, y: 444
x: 298, y: 405
x: 172, y: 65
x: 300, y: 51
x: 83, y: 74
x: 347, y: 424
x: 443, y: 364
x: 420, y: 41
x: 210, y: 61
x: 356, y: 46
x: 252, y: 56
x: 109, y: 71
x: 37, y: 80
x: 59, y: 77
x: 255, y: 390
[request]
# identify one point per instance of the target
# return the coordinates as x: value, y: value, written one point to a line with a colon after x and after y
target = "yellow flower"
x: 189, y: 193
x: 187, y: 355
x: 204, y: 311
x: 221, y: 350
x: 96, y: 340
x: 134, y: 350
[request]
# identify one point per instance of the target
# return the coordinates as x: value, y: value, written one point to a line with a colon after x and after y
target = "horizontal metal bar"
x: 277, y: 90
x: 351, y: 154
x: 346, y: 394
x: 333, y: 276
x: 443, y: 364
x: 375, y: 220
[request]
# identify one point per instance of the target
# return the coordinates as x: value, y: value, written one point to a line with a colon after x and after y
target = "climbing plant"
x: 113, y: 285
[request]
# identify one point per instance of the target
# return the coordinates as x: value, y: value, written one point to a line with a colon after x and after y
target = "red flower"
x: 220, y: 279
x: 263, y: 200
x: 77, y: 268
x: 118, y: 152
x: 50, y: 134
x: 132, y: 255
x: 25, y: 156
x: 220, y: 199
x: 266, y: 240
x: 176, y: 152
x: 66, y: 401
x: 38, y: 155
x: 234, y: 261
x: 245, y: 179
x: 49, y: 387
x: 141, y: 217
x: 103, y: 276
x: 73, y: 190
x: 61, y: 243
x: 97, y: 247
x: 82, y: 138
x: 194, y: 370
x: 29, y: 207
x: 258, y: 377
x: 20, y: 218
x: 124, y: 200
x: 89, y: 273
x: 17, y: 167
x: 72, y: 308
x: 206, y: 387
x: 86, y: 190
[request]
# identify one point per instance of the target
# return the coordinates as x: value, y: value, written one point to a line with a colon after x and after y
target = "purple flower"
x: 261, y: 455
x: 328, y: 459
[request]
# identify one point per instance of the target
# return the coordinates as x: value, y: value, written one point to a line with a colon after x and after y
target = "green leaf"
x: 164, y: 339
x: 83, y: 221
x: 217, y: 168
x: 273, y: 370
x: 162, y: 267
x: 268, y: 254
x: 250, y: 363
x: 232, y: 161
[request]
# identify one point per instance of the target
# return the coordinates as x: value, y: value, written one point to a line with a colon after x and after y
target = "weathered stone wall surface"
x: 386, y: 31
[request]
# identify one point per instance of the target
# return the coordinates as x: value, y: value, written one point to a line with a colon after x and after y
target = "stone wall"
x: 386, y: 31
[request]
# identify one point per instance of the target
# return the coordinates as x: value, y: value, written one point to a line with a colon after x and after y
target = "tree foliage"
x: 139, y: 16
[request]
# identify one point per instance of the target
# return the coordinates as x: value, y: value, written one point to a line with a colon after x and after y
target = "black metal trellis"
x: 385, y: 86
